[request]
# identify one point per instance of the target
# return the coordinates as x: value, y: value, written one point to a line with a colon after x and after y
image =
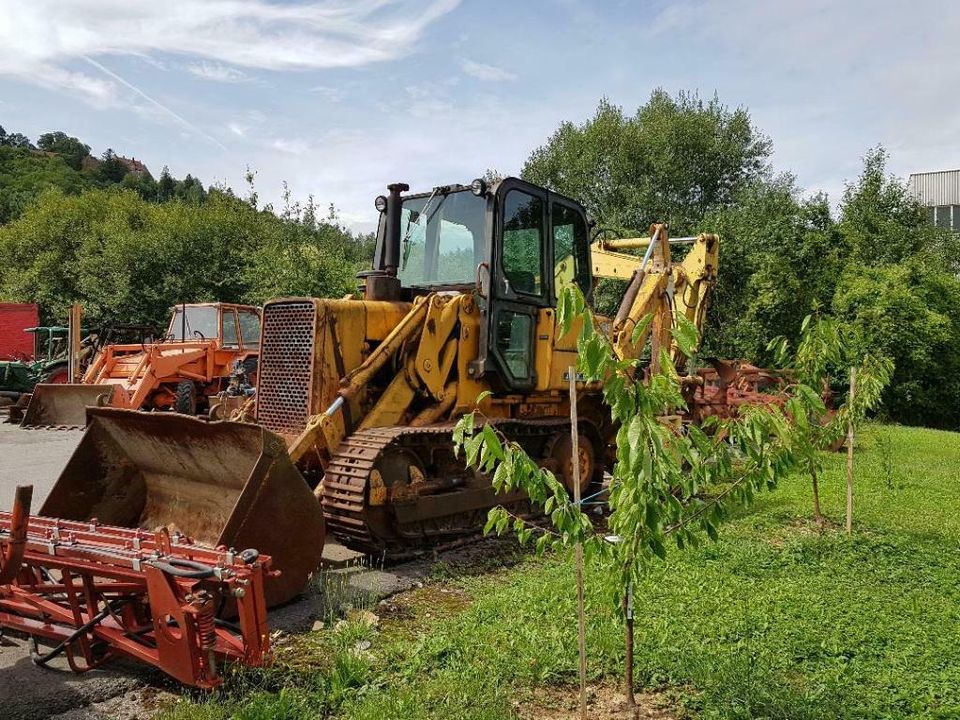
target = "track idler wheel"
x: 394, y: 479
x: 560, y: 457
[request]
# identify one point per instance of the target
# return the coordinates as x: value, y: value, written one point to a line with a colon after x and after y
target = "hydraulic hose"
x: 111, y: 608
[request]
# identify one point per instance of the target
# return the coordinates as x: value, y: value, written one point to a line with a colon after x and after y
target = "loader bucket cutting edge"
x: 221, y: 483
x: 65, y: 405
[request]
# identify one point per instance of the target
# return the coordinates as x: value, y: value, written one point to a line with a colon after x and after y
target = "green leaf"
x: 494, y: 449
x: 711, y: 530
x: 658, y: 549
x: 641, y: 328
x: 686, y: 335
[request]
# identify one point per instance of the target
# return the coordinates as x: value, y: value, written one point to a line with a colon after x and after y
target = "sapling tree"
x: 670, y: 484
x: 826, y: 351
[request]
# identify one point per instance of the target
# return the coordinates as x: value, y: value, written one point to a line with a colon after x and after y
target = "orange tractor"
x: 206, y: 346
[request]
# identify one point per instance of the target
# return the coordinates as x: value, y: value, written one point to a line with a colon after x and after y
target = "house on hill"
x: 134, y: 166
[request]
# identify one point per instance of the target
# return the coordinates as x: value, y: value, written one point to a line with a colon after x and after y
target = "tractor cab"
x: 49, y: 342
x: 515, y: 244
x: 234, y: 326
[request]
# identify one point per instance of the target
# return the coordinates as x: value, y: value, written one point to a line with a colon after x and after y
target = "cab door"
x: 520, y: 282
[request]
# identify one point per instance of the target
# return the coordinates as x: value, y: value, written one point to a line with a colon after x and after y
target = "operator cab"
x: 235, y: 326
x: 517, y: 245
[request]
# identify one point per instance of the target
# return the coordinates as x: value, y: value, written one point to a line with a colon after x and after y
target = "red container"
x: 14, y: 319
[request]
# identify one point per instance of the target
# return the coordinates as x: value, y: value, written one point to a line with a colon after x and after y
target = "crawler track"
x: 449, y: 501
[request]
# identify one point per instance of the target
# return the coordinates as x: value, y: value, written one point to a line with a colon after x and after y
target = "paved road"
x: 36, y: 457
x: 32, y: 457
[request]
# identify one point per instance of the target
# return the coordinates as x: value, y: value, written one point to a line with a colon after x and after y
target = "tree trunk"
x: 628, y: 670
x: 850, y: 439
x: 581, y: 617
x: 817, y: 515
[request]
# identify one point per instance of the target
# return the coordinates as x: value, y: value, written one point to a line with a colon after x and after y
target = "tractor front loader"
x: 182, y: 372
x: 364, y: 392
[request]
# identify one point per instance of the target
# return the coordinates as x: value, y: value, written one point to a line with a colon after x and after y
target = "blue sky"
x: 338, y: 98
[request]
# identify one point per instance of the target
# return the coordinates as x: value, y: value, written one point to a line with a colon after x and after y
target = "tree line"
x: 129, y: 246
x: 875, y: 263
x: 58, y: 160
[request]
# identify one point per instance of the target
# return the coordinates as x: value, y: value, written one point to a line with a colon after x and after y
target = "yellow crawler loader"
x: 363, y: 392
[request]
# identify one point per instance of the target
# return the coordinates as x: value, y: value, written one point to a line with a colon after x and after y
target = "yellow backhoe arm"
x: 657, y: 287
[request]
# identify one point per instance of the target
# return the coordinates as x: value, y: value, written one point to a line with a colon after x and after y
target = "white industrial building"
x: 940, y: 193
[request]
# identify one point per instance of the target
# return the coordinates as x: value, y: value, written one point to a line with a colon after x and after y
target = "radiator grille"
x: 286, y: 366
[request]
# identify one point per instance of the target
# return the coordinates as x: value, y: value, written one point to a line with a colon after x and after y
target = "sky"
x: 341, y: 97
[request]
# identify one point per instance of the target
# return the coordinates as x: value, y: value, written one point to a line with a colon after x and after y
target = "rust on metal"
x: 12, y: 556
x: 97, y: 592
x: 224, y: 484
x: 62, y: 405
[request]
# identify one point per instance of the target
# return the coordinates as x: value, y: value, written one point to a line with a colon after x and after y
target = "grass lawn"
x: 772, y: 621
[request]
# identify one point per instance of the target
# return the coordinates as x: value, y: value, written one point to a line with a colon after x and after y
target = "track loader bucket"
x: 62, y: 405
x: 220, y: 483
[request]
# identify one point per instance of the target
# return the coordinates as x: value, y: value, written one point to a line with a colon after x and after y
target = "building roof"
x: 939, y: 187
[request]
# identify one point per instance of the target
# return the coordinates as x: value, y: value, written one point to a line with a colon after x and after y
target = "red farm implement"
x: 95, y: 592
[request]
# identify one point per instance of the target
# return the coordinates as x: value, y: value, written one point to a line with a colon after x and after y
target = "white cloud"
x: 488, y: 73
x: 217, y: 72
x: 237, y: 129
x: 294, y: 146
x: 41, y: 38
x: 829, y: 80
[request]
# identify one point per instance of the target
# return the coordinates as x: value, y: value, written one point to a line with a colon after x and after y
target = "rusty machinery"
x: 95, y: 592
x: 364, y: 391
x: 183, y: 371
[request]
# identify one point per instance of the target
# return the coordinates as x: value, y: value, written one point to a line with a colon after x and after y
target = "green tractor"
x: 48, y: 365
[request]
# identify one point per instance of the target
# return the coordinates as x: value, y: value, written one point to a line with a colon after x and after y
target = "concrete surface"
x: 36, y: 457
x: 32, y: 457
x: 124, y: 690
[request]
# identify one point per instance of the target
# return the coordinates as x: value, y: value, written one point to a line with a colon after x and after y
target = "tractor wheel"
x: 186, y: 398
x: 56, y: 375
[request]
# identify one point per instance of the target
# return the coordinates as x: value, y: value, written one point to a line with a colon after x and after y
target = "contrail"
x: 183, y: 122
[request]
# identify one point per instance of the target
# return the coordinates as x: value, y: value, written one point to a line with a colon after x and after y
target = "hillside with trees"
x: 104, y: 232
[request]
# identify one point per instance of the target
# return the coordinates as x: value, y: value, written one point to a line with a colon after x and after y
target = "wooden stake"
x: 73, y: 342
x: 850, y: 438
x: 581, y: 619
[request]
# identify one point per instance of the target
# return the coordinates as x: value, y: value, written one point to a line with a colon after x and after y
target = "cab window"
x: 569, y: 239
x: 250, y: 328
x: 523, y: 239
x: 230, y: 336
x: 200, y: 323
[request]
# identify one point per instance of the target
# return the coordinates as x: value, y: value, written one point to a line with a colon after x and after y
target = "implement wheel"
x: 186, y: 398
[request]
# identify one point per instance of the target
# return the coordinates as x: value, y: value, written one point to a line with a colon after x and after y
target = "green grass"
x: 773, y: 621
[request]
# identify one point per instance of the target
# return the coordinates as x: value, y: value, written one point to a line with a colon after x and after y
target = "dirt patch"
x: 409, y: 613
x: 140, y: 704
x: 604, y: 702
